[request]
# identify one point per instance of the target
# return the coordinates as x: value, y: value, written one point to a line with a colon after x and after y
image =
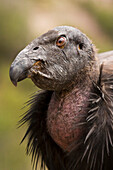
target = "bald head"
x: 54, y: 59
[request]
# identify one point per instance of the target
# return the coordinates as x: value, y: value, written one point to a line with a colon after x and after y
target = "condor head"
x: 55, y: 59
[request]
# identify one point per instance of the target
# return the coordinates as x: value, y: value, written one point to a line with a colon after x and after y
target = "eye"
x: 61, y: 41
x: 80, y: 46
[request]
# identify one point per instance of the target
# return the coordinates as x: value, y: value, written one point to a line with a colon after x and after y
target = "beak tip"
x: 13, y: 80
x: 14, y: 83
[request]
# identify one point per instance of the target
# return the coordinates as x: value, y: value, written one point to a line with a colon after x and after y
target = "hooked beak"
x: 19, y: 69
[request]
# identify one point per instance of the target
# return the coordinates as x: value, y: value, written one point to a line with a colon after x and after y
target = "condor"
x: 70, y: 122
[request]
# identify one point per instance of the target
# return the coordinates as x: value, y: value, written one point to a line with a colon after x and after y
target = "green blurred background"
x: 21, y: 22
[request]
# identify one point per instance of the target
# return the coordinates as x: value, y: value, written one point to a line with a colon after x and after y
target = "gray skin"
x: 68, y: 71
x: 58, y: 66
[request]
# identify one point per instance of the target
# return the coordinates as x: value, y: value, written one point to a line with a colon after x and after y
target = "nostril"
x: 35, y: 48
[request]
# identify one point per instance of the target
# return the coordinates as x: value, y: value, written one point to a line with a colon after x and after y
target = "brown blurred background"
x: 20, y: 22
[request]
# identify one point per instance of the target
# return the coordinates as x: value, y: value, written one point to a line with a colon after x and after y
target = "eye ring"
x: 61, y: 41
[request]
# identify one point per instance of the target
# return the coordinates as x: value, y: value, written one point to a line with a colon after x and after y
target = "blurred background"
x: 22, y: 21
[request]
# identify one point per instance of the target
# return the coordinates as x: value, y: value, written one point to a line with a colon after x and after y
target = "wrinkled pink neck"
x: 64, y: 113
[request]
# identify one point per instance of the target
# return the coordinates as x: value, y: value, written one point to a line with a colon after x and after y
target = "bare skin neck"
x: 67, y: 109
